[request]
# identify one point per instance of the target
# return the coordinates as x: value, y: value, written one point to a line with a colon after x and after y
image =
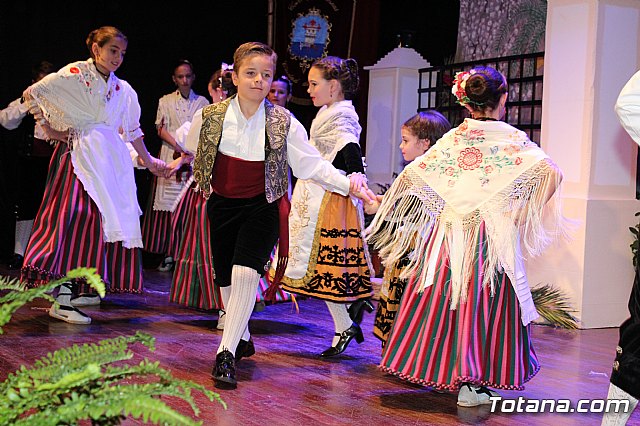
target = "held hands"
x: 372, y: 208
x: 157, y: 167
x: 358, y: 181
x: 358, y: 188
x: 177, y: 164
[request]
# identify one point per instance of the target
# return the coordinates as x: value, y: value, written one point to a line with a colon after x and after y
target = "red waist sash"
x: 236, y: 178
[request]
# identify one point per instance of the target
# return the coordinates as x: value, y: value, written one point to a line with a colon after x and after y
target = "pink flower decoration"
x: 488, y: 169
x: 448, y: 171
x: 518, y: 161
x: 470, y: 158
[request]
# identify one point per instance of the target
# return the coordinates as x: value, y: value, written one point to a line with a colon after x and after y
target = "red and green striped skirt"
x: 156, y: 225
x: 192, y: 283
x: 67, y: 234
x: 482, y: 341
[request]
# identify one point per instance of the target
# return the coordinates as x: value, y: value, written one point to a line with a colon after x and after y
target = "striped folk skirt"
x: 482, y: 341
x: 156, y: 225
x: 67, y: 234
x: 193, y: 282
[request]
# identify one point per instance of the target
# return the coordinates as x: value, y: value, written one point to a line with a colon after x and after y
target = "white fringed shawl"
x: 101, y: 117
x: 334, y: 127
x: 479, y: 172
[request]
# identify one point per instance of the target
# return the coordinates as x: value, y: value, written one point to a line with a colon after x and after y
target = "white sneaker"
x: 221, y: 317
x: 86, y: 300
x: 68, y: 314
x: 472, y: 396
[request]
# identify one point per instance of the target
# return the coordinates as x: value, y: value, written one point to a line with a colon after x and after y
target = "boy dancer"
x: 244, y: 175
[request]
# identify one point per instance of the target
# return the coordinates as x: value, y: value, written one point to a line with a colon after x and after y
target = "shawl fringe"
x: 413, y: 219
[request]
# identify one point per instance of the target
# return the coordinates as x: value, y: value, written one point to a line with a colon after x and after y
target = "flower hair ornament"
x: 226, y: 67
x: 458, y: 88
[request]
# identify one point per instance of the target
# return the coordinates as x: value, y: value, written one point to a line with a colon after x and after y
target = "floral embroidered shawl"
x: 478, y: 172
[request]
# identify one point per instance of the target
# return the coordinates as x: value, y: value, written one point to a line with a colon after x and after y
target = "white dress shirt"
x: 245, y: 138
x: 628, y: 107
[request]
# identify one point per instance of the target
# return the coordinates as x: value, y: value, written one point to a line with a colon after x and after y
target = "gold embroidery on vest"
x: 278, y: 122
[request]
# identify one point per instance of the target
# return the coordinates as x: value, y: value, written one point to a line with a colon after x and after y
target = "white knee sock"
x: 225, y: 292
x: 23, y: 232
x: 618, y: 419
x: 244, y: 283
x: 341, y: 319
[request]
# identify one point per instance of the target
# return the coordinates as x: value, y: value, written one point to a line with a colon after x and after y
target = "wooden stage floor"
x: 287, y: 383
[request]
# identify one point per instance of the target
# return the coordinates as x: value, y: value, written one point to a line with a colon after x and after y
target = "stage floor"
x: 287, y: 383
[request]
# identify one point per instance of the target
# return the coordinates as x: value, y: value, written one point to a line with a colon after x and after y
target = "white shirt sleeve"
x: 628, y: 107
x: 190, y: 143
x: 307, y: 163
x: 12, y: 115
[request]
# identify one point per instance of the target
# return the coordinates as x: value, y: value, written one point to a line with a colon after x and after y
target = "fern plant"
x: 89, y: 382
x: 554, y: 306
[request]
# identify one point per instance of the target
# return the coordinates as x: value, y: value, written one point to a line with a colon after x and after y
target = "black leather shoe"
x: 224, y: 372
x: 357, y: 308
x: 245, y: 349
x: 15, y: 262
x: 345, y: 338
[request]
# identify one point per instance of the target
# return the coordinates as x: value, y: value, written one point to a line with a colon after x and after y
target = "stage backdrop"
x: 306, y: 30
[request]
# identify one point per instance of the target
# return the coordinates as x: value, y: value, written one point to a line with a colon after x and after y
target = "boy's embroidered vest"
x: 278, y: 121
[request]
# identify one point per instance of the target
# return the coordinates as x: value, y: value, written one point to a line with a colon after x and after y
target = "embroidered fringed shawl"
x: 333, y: 128
x: 99, y: 115
x: 480, y: 172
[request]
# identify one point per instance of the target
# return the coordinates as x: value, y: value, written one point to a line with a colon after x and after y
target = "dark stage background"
x: 206, y: 33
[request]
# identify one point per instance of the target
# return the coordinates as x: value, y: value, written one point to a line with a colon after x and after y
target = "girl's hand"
x: 358, y: 182
x: 366, y: 195
x: 157, y: 166
x: 372, y: 208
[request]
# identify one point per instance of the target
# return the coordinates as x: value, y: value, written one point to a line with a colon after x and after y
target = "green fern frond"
x: 82, y: 407
x: 19, y: 295
x: 146, y: 368
x: 69, y: 360
x: 554, y: 307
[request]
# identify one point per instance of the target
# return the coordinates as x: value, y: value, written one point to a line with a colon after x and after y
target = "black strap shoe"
x: 345, y: 338
x: 245, y: 349
x: 224, y: 372
x: 357, y: 308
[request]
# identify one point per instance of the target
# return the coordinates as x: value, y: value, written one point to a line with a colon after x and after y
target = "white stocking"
x: 341, y: 319
x: 244, y: 283
x: 618, y: 419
